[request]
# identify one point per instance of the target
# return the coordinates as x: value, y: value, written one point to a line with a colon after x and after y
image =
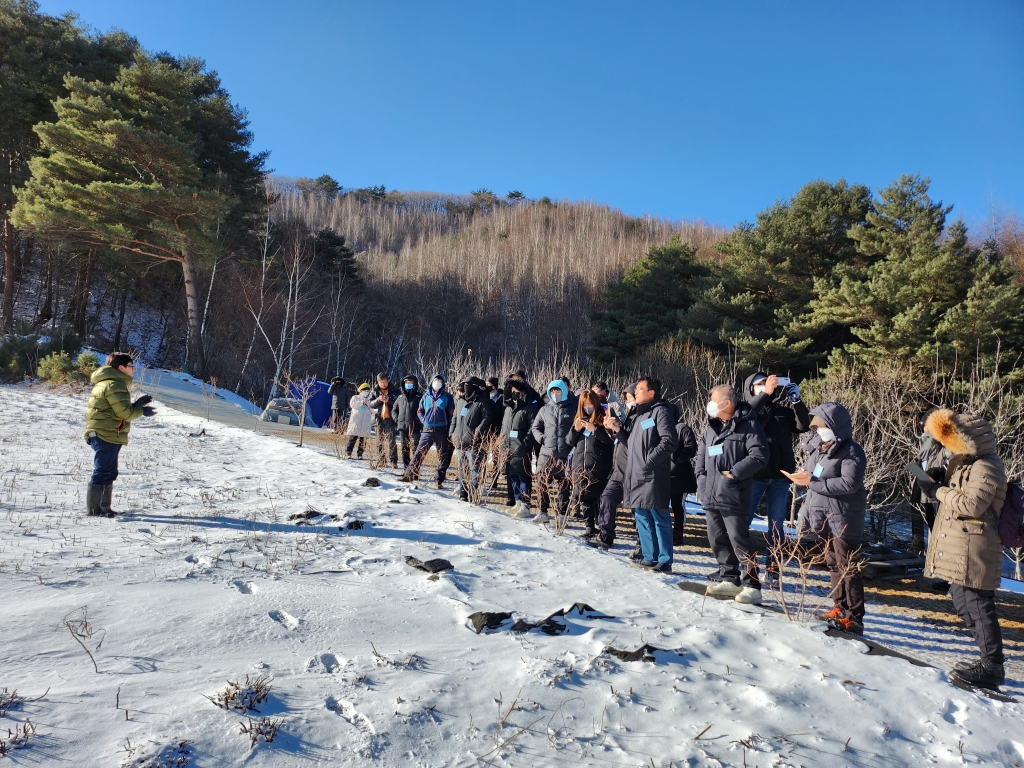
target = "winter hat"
x: 476, y: 381
x: 558, y: 384
x: 363, y: 386
x: 493, y: 382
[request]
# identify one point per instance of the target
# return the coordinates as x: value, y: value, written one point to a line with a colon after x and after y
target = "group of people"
x: 636, y: 453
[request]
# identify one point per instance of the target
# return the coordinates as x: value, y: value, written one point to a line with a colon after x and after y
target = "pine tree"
x: 120, y: 171
x: 920, y: 289
x: 646, y: 304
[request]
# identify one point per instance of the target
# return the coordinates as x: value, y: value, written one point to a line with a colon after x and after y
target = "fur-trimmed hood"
x: 966, y: 434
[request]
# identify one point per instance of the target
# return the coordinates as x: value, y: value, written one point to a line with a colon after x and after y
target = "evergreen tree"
x: 755, y: 299
x: 36, y: 52
x: 920, y: 289
x: 336, y: 258
x: 121, y: 171
x: 647, y: 303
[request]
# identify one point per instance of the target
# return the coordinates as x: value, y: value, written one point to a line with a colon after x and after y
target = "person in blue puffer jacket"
x: 436, y: 411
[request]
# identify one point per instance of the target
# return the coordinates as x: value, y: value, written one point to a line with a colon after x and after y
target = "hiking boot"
x: 662, y: 567
x: 724, y: 589
x: 714, y: 576
x: 93, y: 495
x: 105, y: 500
x: 405, y: 479
x: 749, y: 596
x: 510, y: 502
x: 542, y: 517
x: 599, y: 544
x: 440, y: 485
x: 846, y: 625
x: 834, y: 613
x: 981, y: 673
x: 348, y: 454
x: 648, y: 564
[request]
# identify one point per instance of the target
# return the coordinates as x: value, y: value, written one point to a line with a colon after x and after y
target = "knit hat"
x: 363, y: 386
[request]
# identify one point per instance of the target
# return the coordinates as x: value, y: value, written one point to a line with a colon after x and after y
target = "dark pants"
x: 438, y: 439
x: 678, y: 502
x: 410, y: 441
x: 847, y: 585
x: 610, y: 500
x: 337, y: 417
x: 519, y: 487
x: 729, y: 537
x: 468, y: 470
x: 104, y: 461
x: 590, y: 503
x: 552, y: 471
x: 977, y: 609
x: 352, y: 441
x: 386, y: 445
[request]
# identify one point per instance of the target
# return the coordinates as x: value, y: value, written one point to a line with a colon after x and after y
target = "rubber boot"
x: 105, y: 499
x: 93, y: 497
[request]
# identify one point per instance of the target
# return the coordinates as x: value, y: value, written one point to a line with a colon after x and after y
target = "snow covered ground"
x: 215, y: 577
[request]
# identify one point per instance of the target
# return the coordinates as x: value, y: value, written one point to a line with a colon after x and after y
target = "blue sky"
x: 687, y: 110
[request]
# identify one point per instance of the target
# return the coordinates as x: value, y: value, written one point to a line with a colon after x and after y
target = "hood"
x: 108, y: 373
x: 748, y: 384
x: 967, y: 434
x: 413, y: 379
x: 837, y: 418
x: 440, y: 376
x: 559, y: 384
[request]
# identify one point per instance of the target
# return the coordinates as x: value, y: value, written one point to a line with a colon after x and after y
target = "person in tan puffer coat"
x: 964, y: 548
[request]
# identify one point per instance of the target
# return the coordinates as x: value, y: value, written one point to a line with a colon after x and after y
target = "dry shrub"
x: 265, y: 728
x: 243, y: 697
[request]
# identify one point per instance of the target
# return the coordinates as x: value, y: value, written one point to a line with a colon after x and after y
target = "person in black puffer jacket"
x: 781, y: 415
x: 732, y: 450
x: 472, y: 424
x: 406, y: 422
x: 683, y: 479
x: 521, y: 404
x: 612, y: 496
x: 382, y: 403
x: 339, y: 401
x: 591, y: 458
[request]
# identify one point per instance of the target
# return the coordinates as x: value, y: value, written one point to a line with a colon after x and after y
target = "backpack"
x: 1011, y: 518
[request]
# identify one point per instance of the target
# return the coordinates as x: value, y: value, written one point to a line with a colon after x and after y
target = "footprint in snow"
x: 347, y: 711
x: 286, y: 620
x: 325, y: 662
x: 245, y: 587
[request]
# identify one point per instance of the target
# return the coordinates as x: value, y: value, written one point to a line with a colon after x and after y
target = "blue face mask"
x: 408, y: 387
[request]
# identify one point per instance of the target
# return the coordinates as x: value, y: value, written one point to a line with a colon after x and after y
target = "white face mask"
x: 759, y: 389
x: 556, y: 395
x: 826, y: 434
x: 588, y: 409
x: 713, y: 409
x: 436, y: 385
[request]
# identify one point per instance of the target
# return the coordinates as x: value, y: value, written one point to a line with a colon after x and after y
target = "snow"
x: 373, y: 663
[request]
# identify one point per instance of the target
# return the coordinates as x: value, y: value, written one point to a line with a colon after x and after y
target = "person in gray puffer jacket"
x: 731, y: 451
x: 551, y: 430
x: 835, y: 506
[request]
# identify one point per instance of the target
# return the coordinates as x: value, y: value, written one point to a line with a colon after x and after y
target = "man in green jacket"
x: 107, y: 423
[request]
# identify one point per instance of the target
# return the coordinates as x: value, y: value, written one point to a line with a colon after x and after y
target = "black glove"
x: 148, y: 410
x: 144, y: 400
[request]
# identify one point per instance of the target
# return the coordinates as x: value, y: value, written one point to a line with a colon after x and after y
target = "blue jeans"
x: 654, y: 529
x: 777, y: 490
x: 520, y: 487
x: 104, y: 465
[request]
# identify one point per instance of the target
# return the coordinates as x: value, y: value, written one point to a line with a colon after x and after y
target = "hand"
x: 729, y: 475
x: 613, y: 424
x: 144, y: 400
x: 579, y: 424
x: 148, y: 410
x: 801, y: 478
x: 770, y: 384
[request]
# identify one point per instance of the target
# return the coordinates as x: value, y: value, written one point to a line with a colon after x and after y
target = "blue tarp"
x: 319, y: 404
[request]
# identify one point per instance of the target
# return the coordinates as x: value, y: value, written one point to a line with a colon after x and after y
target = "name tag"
x: 587, y: 432
x: 464, y: 411
x: 818, y: 470
x: 715, y: 450
x: 514, y: 433
x: 646, y: 423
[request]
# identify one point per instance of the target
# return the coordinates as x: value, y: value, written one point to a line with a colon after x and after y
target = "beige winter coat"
x: 964, y: 547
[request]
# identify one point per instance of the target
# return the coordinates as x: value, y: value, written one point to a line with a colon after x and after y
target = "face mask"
x: 588, y: 409
x: 408, y: 387
x: 759, y: 389
x: 556, y: 395
x: 436, y: 385
x: 713, y: 409
x: 826, y: 434
x: 630, y: 407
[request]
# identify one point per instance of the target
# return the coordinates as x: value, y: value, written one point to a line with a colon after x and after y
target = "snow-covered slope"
x: 373, y: 663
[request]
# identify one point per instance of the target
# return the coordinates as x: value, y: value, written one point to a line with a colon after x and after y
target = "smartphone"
x: 784, y: 381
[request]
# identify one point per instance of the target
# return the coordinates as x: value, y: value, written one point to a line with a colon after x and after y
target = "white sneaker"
x: 749, y: 596
x: 521, y: 512
x: 724, y: 589
x: 541, y: 517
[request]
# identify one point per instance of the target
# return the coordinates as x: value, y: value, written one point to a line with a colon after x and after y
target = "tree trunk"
x: 194, y: 357
x: 120, y: 318
x: 7, y: 241
x: 78, y: 306
x: 46, y: 313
